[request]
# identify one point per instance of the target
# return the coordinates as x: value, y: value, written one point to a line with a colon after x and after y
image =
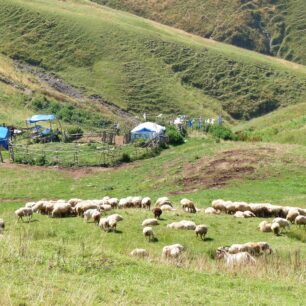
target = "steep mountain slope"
x: 275, y: 27
x: 142, y: 66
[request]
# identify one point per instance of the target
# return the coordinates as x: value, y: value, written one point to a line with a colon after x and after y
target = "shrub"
x: 174, y: 136
x: 221, y: 132
x: 73, y: 133
x: 125, y: 158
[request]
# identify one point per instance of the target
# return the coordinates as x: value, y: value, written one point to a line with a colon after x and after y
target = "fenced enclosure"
x: 74, y: 154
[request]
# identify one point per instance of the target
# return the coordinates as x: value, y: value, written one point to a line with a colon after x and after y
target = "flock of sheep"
x: 237, y: 254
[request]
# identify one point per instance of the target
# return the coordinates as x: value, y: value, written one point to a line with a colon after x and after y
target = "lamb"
x: 276, y: 229
x: 173, y: 250
x: 146, y: 203
x: 148, y: 232
x: 188, y: 225
x: 201, y: 230
x: 2, y: 225
x: 92, y: 213
x: 139, y: 253
x: 239, y: 259
x: 151, y: 222
x: 157, y: 212
x: 283, y: 223
x: 292, y: 214
x: 61, y: 210
x: 24, y: 212
x: 188, y: 206
x: 300, y: 220
x: 265, y: 227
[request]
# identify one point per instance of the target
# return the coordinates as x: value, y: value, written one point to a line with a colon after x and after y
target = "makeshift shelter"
x: 39, y: 118
x: 147, y: 130
x: 4, y: 137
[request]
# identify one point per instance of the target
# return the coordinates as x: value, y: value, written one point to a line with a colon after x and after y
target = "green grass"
x: 71, y: 262
x: 241, y: 23
x: 144, y: 66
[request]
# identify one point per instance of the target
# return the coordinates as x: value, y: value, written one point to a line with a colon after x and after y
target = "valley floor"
x: 52, y: 261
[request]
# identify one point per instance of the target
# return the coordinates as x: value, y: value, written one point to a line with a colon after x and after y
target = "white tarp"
x: 148, y: 127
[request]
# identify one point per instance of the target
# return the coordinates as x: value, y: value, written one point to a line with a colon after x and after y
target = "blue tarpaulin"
x: 4, y: 137
x: 38, y: 118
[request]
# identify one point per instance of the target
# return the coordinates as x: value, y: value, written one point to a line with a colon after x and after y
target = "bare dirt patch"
x: 226, y: 166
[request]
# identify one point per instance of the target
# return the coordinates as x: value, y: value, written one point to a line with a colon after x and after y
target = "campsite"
x: 152, y: 153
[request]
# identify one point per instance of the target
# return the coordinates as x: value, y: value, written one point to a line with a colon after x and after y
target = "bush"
x: 125, y: 158
x: 174, y: 136
x: 73, y: 133
x: 140, y: 142
x: 221, y: 132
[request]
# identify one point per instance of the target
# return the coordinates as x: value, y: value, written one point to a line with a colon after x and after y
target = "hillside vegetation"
x: 142, y: 66
x: 271, y: 27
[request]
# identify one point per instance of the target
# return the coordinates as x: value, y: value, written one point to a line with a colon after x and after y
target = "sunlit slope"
x: 275, y: 27
x: 143, y: 66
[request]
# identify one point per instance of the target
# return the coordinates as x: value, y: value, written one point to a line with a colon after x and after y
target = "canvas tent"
x: 147, y: 130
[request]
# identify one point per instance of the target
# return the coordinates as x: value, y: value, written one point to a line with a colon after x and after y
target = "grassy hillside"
x: 271, y: 27
x: 70, y: 262
x: 287, y: 125
x: 142, y: 66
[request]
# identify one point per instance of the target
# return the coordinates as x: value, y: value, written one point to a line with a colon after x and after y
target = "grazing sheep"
x: 61, y: 210
x: 148, y: 232
x: 92, y: 213
x: 151, y: 222
x: 239, y: 214
x: 166, y: 207
x: 219, y: 205
x: 157, y: 212
x: 283, y: 223
x: 24, y: 212
x: 162, y: 201
x: 110, y: 223
x: 113, y: 202
x: 255, y: 248
x: 103, y: 224
x: 292, y: 214
x: 248, y: 214
x: 188, y: 206
x: 2, y: 225
x: 81, y: 207
x: 136, y: 202
x: 123, y: 203
x: 211, y: 211
x: 146, y: 203
x: 106, y: 207
x: 30, y: 204
x: 139, y: 253
x: 172, y: 251
x: 74, y: 202
x: 276, y: 229
x: 239, y: 259
x: 265, y: 227
x: 188, y: 225
x: 300, y: 220
x: 201, y: 230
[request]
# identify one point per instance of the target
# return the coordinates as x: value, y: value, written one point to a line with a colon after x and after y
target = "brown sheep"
x: 157, y: 212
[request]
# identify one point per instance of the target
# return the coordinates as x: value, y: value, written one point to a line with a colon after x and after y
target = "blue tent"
x: 38, y: 118
x: 147, y: 130
x: 4, y: 137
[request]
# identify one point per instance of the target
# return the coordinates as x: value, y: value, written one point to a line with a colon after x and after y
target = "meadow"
x: 53, y: 261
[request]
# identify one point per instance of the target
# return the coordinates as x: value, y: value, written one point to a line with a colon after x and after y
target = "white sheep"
x: 146, y: 203
x: 283, y: 223
x: 150, y: 222
x: 248, y: 214
x: 113, y: 202
x: 163, y: 201
x: 61, y: 209
x: 292, y: 214
x: 24, y: 212
x: 136, y: 202
x: 239, y: 214
x: 139, y: 253
x: 188, y: 225
x: 92, y: 213
x: 188, y: 205
x: 148, y: 232
x: 106, y: 207
x: 173, y: 250
x: 201, y: 230
x: 239, y: 259
x: 265, y: 227
x: 300, y: 220
x: 211, y: 211
x: 103, y: 224
x: 166, y: 207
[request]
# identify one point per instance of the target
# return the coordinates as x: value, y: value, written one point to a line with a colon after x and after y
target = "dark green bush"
x: 221, y: 132
x: 125, y: 158
x: 174, y: 136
